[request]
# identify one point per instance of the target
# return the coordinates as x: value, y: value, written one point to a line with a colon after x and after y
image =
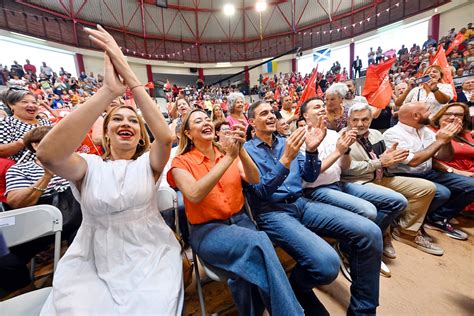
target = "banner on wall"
x: 321, y: 55
x: 270, y: 67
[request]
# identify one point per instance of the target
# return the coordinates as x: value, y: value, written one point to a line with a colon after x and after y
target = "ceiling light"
x: 260, y: 6
x: 229, y: 9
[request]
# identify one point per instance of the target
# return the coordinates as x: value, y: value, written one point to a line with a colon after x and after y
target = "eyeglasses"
x: 461, y: 115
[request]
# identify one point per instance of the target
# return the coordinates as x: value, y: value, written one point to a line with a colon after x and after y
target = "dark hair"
x: 218, y: 125
x: 304, y: 106
x: 253, y: 107
x: 35, y: 136
x: 248, y: 133
x: 299, y: 120
x: 278, y: 115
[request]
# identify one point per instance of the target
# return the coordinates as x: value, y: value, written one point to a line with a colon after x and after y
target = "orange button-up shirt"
x: 224, y: 200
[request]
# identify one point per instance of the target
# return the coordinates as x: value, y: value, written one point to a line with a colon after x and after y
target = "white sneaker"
x: 384, y: 270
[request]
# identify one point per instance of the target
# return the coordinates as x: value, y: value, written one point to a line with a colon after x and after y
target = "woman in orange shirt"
x: 221, y: 232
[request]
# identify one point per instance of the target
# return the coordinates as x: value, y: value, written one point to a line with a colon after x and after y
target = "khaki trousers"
x: 419, y: 193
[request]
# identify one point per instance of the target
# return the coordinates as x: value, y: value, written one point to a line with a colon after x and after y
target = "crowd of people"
x: 325, y: 166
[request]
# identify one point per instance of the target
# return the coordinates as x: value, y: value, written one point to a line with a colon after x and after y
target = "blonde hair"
x: 441, y: 79
x: 141, y: 147
x: 185, y: 144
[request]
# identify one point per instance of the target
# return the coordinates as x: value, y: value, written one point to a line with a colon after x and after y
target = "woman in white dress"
x: 124, y: 259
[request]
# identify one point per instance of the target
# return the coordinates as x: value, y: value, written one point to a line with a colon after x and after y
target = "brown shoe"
x: 388, y: 249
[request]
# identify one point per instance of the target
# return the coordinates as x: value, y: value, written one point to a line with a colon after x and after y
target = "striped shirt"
x: 25, y: 175
x: 12, y: 129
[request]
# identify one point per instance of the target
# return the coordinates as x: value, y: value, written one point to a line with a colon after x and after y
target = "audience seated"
x: 295, y: 223
x: 221, y: 233
x: 370, y: 162
x: 423, y: 144
x: 462, y: 162
x: 379, y: 205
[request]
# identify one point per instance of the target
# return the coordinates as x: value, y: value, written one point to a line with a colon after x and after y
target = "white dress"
x: 124, y: 260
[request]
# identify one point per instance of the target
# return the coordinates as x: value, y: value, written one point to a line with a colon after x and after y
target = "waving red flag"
x: 377, y: 88
x: 455, y: 43
x: 440, y: 60
x: 150, y: 85
x: 309, y: 91
x: 276, y: 97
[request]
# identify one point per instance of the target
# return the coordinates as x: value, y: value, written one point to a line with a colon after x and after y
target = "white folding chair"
x: 25, y: 224
x: 26, y: 304
x: 167, y: 199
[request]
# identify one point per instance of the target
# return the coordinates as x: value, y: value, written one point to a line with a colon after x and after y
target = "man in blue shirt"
x: 293, y: 222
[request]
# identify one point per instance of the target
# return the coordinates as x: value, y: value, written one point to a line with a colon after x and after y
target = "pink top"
x: 233, y: 121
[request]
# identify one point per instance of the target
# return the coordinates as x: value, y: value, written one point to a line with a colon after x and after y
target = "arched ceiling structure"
x: 198, y: 30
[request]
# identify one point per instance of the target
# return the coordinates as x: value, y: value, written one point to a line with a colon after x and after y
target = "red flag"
x: 455, y: 43
x: 309, y: 91
x: 276, y: 97
x: 377, y: 88
x: 440, y: 60
x: 150, y: 85
x: 319, y: 91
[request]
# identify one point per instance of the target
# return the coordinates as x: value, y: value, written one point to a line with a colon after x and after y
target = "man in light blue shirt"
x: 294, y: 223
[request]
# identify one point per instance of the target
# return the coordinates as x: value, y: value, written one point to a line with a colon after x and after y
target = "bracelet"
x: 39, y: 189
x: 435, y: 90
x: 138, y: 85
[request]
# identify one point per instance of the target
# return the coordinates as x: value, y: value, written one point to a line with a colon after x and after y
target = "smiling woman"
x: 124, y: 259
x: 24, y: 110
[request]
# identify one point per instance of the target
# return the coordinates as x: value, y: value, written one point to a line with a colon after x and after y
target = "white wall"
x: 457, y: 18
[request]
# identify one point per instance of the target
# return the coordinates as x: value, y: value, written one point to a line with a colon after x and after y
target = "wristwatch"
x: 449, y: 170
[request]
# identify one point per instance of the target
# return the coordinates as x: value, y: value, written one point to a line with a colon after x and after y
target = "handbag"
x: 187, y: 264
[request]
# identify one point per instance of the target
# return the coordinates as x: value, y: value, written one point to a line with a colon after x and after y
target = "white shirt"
x: 357, y: 99
x: 333, y: 173
x: 412, y: 139
x: 419, y: 94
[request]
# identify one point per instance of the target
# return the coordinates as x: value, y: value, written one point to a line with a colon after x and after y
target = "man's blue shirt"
x: 277, y: 183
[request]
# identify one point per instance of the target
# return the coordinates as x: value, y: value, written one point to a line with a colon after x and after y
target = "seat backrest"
x: 166, y: 198
x: 29, y: 303
x: 25, y: 224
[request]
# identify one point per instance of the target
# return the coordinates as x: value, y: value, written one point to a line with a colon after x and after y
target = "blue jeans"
x: 295, y: 228
x: 380, y: 205
x: 256, y: 277
x: 453, y: 194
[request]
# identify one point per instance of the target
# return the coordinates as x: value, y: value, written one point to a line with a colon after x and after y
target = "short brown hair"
x: 35, y: 136
x: 436, y: 117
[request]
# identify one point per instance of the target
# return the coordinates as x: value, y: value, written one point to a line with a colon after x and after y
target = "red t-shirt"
x: 463, y: 154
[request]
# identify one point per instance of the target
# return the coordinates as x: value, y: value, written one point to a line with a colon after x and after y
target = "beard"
x: 362, y: 132
x: 349, y: 95
x: 424, y: 121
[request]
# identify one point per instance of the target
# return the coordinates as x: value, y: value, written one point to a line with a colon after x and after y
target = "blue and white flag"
x: 321, y: 55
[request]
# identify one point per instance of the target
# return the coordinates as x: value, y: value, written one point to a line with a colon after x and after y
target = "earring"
x: 141, y: 142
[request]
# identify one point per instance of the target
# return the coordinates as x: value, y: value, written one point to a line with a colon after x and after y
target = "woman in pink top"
x: 236, y: 109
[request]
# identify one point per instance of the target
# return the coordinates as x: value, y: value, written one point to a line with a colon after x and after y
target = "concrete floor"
x: 421, y: 284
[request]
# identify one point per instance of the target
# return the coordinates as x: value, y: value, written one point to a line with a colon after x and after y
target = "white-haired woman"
x: 336, y: 115
x: 236, y: 109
